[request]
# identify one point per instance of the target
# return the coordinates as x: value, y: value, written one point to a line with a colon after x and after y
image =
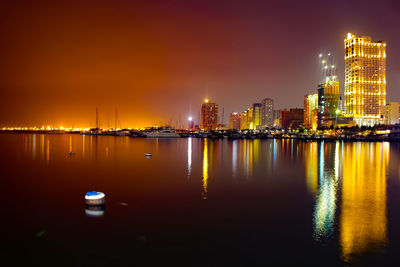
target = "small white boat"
x: 95, y: 198
x: 148, y: 155
x: 71, y: 153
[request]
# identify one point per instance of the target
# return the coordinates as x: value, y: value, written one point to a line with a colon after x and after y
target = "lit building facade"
x: 392, y: 113
x: 365, y: 79
x: 243, y: 120
x: 234, y: 121
x: 256, y: 115
x: 310, y: 109
x: 267, y: 112
x: 209, y: 115
x: 328, y: 102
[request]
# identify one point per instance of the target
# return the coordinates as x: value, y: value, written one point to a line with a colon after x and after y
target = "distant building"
x: 244, y: 120
x: 234, y: 121
x: 267, y: 112
x: 365, y: 79
x: 250, y: 123
x: 310, y: 109
x: 392, y: 113
x: 291, y: 119
x: 256, y: 115
x: 209, y: 115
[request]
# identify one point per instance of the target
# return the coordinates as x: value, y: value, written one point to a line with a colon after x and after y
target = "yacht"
x: 159, y: 133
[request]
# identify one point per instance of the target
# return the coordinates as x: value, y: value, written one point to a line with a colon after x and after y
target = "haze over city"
x: 158, y: 60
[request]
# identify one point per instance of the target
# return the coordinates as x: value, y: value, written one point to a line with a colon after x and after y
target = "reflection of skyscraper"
x: 325, y: 206
x: 267, y: 112
x: 365, y: 84
x: 311, y: 165
x: 209, y: 115
x: 205, y: 169
x: 363, y: 222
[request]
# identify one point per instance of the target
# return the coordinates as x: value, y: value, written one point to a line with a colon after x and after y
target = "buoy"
x: 148, y: 155
x: 94, y: 198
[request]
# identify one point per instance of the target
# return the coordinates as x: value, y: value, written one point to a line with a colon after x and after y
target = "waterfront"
x: 199, y: 201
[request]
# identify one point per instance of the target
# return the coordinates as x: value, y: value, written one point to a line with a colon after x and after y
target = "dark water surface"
x: 198, y: 202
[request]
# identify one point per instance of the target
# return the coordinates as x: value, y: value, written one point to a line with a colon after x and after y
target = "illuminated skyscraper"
x: 256, y: 115
x: 267, y: 112
x: 243, y: 120
x: 365, y: 79
x: 209, y: 115
x: 234, y: 121
x: 328, y: 92
x: 310, y: 108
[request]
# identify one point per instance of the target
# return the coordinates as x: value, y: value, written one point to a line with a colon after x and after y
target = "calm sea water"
x: 198, y: 202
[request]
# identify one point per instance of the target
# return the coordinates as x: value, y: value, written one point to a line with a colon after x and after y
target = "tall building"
x: 328, y: 102
x: 256, y: 115
x: 392, y: 113
x: 209, y: 115
x: 310, y: 108
x: 267, y: 112
x: 244, y: 120
x: 250, y: 123
x: 365, y: 79
x: 234, y: 121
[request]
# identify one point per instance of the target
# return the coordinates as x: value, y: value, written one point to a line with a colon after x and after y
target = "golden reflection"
x: 47, y: 151
x: 70, y: 143
x: 311, y: 160
x: 205, y: 168
x: 363, y: 222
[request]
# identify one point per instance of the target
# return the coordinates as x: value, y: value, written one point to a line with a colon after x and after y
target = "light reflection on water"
x: 347, y: 181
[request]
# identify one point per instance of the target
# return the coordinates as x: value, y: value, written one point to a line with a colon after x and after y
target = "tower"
x: 365, y: 79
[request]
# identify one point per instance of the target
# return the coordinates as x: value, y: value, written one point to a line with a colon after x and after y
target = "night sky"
x: 157, y: 60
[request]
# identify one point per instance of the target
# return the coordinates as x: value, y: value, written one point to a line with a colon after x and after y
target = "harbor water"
x: 198, y: 202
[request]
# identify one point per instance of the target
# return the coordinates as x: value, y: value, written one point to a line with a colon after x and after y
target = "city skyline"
x: 52, y: 77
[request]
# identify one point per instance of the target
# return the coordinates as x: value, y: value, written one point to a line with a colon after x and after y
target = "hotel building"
x: 209, y: 115
x: 365, y: 79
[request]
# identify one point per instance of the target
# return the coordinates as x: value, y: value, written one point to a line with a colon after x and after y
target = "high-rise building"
x: 365, y: 79
x: 244, y: 120
x: 256, y: 115
x: 392, y: 113
x: 250, y: 123
x: 310, y: 108
x: 328, y: 102
x: 234, y: 121
x: 209, y: 115
x: 267, y: 112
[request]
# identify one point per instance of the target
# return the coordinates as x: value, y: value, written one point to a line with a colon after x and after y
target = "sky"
x: 156, y: 61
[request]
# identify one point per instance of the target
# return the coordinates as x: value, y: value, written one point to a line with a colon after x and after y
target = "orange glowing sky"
x: 157, y: 60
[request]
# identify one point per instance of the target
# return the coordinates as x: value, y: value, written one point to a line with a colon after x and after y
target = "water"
x: 198, y: 202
